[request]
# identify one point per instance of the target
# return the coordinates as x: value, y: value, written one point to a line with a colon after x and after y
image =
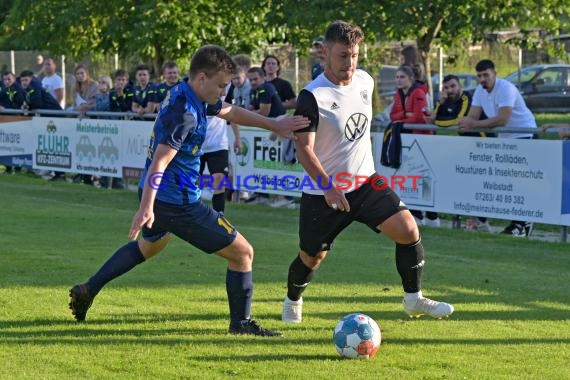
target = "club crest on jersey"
x: 364, y: 96
x: 356, y: 126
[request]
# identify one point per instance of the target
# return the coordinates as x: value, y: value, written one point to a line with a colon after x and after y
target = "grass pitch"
x: 168, y: 318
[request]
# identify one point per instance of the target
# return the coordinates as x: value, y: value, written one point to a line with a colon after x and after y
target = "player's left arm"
x: 284, y: 127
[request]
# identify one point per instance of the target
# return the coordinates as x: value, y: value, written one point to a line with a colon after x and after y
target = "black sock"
x: 410, y: 264
x: 239, y: 286
x: 299, y: 278
x: 219, y: 202
x: 126, y: 258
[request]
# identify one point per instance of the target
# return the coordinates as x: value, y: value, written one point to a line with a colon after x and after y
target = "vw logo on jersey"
x: 355, y: 126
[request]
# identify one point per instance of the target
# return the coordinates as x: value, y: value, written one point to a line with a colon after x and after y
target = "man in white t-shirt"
x: 52, y: 82
x: 505, y: 107
x: 336, y: 153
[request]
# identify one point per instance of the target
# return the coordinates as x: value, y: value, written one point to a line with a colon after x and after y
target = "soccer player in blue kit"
x: 170, y: 203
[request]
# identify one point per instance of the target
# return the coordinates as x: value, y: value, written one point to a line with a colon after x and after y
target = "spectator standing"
x: 265, y: 101
x: 171, y: 76
x: 452, y: 106
x: 11, y: 97
x: 238, y: 94
x: 52, y: 82
x: 145, y: 99
x: 102, y: 99
x: 411, y: 57
x: 122, y: 94
x: 504, y: 106
x: 318, y: 52
x: 35, y: 96
x: 272, y: 68
x: 84, y: 92
x: 12, y: 94
x: 263, y: 97
x: 409, y: 106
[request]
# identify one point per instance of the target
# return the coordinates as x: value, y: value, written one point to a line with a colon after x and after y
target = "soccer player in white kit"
x: 336, y: 153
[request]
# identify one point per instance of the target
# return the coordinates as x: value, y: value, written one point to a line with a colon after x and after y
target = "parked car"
x: 545, y: 88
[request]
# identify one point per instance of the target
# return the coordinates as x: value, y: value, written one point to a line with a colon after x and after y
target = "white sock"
x: 410, y: 297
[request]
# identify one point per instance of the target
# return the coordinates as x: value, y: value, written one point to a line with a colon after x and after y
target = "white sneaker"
x: 432, y: 222
x: 244, y: 195
x: 423, y: 305
x: 292, y: 311
x: 282, y: 203
x: 482, y: 226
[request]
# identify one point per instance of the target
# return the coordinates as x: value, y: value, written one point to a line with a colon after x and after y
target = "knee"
x: 244, y: 255
x: 313, y: 262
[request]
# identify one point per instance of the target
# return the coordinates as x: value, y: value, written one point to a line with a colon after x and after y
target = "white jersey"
x: 216, y: 135
x: 341, y: 117
x: 505, y: 94
x: 52, y: 83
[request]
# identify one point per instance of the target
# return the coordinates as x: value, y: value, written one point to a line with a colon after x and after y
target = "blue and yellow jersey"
x: 181, y: 124
x: 162, y: 89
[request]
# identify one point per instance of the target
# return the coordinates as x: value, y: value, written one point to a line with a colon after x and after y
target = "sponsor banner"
x: 565, y: 202
x: 514, y: 179
x: 136, y: 137
x: 259, y: 166
x: 16, y: 141
x: 87, y: 146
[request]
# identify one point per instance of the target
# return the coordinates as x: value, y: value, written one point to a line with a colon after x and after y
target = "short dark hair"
x: 449, y: 77
x: 26, y: 73
x: 121, y: 73
x: 142, y: 68
x: 343, y: 32
x: 5, y: 73
x: 211, y: 59
x: 256, y: 69
x: 484, y: 65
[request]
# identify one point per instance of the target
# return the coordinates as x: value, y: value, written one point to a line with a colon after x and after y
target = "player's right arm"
x: 145, y: 215
x: 307, y: 106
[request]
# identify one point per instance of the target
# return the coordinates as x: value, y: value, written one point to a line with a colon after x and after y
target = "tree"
x: 151, y: 29
x: 447, y: 23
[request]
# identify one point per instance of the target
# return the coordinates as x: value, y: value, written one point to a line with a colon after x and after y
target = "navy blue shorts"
x: 319, y: 224
x: 195, y: 223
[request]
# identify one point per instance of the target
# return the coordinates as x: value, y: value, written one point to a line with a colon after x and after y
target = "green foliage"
x: 158, y: 30
x: 150, y: 29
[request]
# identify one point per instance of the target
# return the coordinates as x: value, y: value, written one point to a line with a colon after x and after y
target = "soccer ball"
x: 357, y: 336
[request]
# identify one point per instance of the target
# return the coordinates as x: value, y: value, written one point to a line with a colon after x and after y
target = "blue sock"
x: 239, y: 286
x: 126, y: 258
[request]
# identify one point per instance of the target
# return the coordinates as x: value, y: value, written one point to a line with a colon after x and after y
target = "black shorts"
x: 195, y: 223
x: 319, y: 224
x: 217, y: 162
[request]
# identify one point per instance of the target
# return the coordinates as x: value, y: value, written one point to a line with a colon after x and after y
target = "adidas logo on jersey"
x: 334, y: 106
